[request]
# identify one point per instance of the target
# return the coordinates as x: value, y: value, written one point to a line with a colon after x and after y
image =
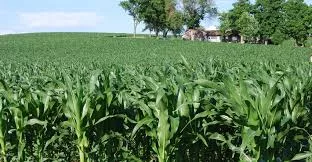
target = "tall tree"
x: 197, y: 10
x: 153, y: 13
x: 161, y: 16
x: 234, y: 14
x: 248, y: 26
x: 297, y: 20
x: 269, y: 15
x: 225, y: 24
x: 175, y: 23
x: 174, y: 18
x: 132, y: 7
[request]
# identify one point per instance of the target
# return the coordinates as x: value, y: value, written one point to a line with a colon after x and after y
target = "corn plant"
x: 3, y: 130
x: 210, y: 111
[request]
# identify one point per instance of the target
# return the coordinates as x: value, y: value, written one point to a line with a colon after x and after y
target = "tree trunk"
x: 266, y: 42
x: 242, y: 40
x: 157, y: 32
x: 135, y: 24
x: 165, y: 33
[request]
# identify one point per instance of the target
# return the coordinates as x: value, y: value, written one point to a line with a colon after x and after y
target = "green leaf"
x: 182, y: 106
x: 207, y: 84
x: 174, y: 125
x: 36, y: 121
x: 202, y: 139
x: 85, y: 108
x: 217, y: 136
x: 302, y: 156
x: 109, y: 117
x: 147, y: 120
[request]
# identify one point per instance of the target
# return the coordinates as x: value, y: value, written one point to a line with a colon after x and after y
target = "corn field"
x: 87, y: 48
x: 210, y: 111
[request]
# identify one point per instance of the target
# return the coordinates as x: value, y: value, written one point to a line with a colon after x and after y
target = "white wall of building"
x: 214, y: 39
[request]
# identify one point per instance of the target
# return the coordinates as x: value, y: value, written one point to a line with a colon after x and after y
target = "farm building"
x: 203, y: 35
x: 214, y: 35
x: 210, y: 35
x: 231, y: 36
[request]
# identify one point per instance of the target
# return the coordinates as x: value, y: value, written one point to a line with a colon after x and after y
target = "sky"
x: 25, y: 16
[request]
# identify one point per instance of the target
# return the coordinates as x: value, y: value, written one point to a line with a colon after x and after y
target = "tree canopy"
x: 297, y: 20
x: 132, y: 7
x: 248, y: 26
x: 169, y: 15
x: 276, y: 20
x: 197, y: 10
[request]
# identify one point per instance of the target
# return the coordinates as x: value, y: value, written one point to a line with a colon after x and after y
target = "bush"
x: 278, y: 37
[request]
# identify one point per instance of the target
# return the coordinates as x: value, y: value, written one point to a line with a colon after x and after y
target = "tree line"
x: 265, y: 21
x: 163, y: 16
x: 268, y: 21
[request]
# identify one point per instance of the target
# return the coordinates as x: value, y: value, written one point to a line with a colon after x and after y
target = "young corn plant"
x: 45, y: 110
x: 15, y: 106
x: 158, y: 121
x: 4, y: 124
x: 77, y: 111
x: 81, y: 111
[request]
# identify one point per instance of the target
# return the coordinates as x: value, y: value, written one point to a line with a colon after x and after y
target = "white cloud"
x: 59, y: 19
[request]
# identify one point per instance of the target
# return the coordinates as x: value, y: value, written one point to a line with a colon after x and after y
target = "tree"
x: 225, y: 24
x: 197, y: 10
x: 175, y: 23
x: 161, y: 16
x: 153, y: 14
x: 297, y: 20
x: 174, y: 18
x: 234, y: 14
x: 248, y: 26
x: 269, y: 15
x: 132, y: 7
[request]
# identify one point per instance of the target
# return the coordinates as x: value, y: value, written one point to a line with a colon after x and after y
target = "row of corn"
x: 212, y: 111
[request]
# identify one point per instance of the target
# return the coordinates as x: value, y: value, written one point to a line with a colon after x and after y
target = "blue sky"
x: 18, y: 16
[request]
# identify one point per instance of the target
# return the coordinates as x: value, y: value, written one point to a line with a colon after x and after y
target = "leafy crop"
x: 210, y: 110
x: 88, y: 48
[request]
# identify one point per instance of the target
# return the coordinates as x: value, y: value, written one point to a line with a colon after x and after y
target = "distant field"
x: 105, y: 49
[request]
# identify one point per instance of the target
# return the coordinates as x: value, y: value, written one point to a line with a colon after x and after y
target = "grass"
x: 85, y: 48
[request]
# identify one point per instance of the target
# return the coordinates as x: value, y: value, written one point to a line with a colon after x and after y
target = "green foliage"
x: 269, y: 14
x: 273, y: 20
x: 175, y: 22
x: 248, y: 26
x: 278, y: 37
x: 234, y: 14
x: 73, y: 108
x: 153, y: 13
x: 225, y: 24
x: 132, y: 7
x: 298, y: 20
x: 197, y: 10
x: 99, y: 48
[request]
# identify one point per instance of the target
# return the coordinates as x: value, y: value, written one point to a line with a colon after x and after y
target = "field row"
x: 88, y: 48
x: 212, y: 111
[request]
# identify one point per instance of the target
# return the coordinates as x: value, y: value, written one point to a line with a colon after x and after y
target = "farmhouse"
x: 231, y: 36
x: 203, y: 35
x: 194, y: 34
x: 213, y: 35
x: 210, y: 35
